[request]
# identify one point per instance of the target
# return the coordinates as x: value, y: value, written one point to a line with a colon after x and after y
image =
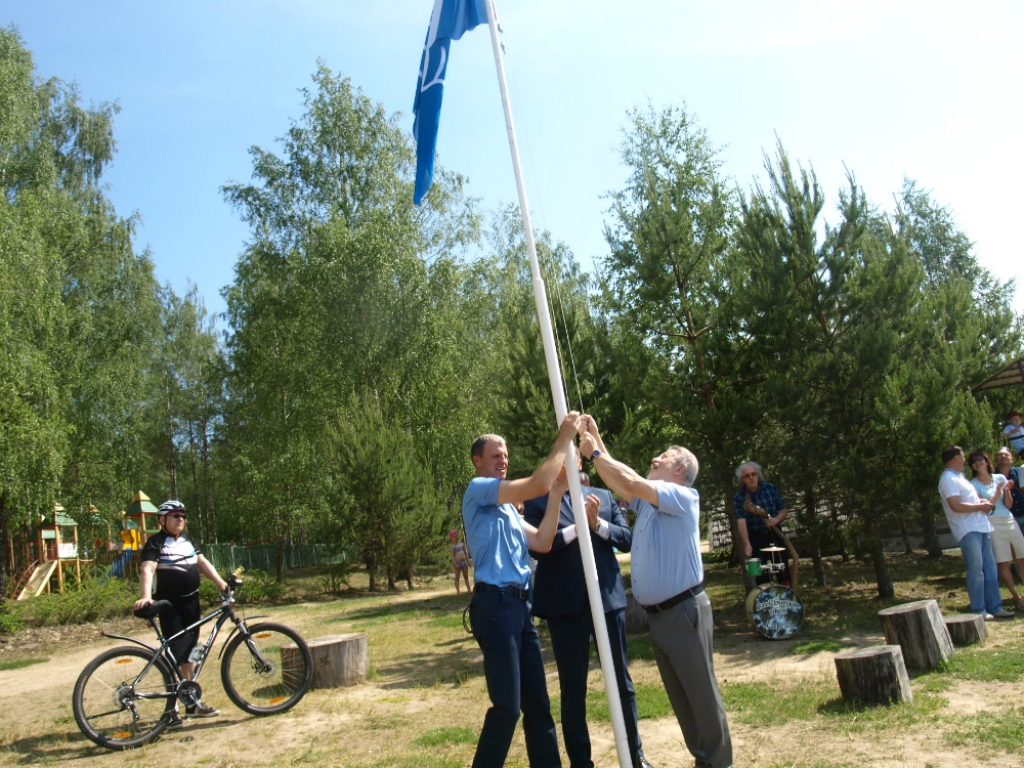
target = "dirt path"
x: 375, y: 724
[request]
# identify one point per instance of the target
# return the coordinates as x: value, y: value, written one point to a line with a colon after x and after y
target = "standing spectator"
x: 759, y: 509
x: 668, y: 581
x: 1010, y: 472
x: 1007, y: 539
x: 1014, y: 433
x: 460, y: 560
x: 967, y: 514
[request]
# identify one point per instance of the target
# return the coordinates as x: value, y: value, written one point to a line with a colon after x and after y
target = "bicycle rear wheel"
x: 268, y: 670
x: 114, y: 710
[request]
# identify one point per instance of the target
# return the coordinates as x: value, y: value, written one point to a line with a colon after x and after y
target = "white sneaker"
x: 989, y: 617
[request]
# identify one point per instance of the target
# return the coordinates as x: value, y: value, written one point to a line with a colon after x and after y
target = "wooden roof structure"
x: 1011, y: 375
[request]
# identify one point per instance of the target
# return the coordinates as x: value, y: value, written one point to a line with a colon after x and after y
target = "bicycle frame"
x: 221, y: 615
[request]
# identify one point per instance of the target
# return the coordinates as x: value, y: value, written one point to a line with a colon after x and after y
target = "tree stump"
x: 966, y: 628
x: 338, y: 660
x: 874, y: 675
x: 636, y: 616
x: 919, y: 631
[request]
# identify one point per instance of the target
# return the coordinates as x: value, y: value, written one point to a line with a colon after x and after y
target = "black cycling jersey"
x: 177, y: 569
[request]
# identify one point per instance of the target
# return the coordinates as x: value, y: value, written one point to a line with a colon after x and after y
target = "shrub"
x: 9, y: 623
x: 259, y: 587
x: 97, y: 599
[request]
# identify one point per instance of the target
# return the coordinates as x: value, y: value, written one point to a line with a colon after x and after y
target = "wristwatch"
x: 594, y: 455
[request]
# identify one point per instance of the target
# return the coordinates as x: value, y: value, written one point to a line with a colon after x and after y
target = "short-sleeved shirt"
x: 986, y: 491
x: 1015, y: 437
x: 666, y: 544
x: 177, y: 566
x: 767, y: 497
x: 496, y: 537
x: 953, y: 483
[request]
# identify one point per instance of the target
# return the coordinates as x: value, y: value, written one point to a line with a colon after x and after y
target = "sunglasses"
x: 979, y: 459
x: 179, y: 516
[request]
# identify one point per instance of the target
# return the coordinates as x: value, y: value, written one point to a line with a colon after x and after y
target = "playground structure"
x: 50, y: 556
x: 46, y: 556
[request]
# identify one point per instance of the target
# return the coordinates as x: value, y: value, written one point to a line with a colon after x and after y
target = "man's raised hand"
x: 570, y: 425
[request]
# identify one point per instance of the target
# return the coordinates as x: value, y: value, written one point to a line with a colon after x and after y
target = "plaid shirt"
x: 767, y: 497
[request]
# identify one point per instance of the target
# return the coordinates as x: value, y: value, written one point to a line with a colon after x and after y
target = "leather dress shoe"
x: 641, y: 762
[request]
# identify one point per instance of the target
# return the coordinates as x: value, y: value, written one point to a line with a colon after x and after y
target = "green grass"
x: 775, y: 702
x: 651, y: 702
x: 1002, y: 731
x: 438, y: 736
x: 6, y: 665
x: 817, y: 646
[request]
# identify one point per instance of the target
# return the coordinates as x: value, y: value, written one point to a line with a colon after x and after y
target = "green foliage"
x: 9, y: 622
x: 259, y: 587
x: 97, y: 599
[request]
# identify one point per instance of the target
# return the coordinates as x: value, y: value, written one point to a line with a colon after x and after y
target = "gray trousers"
x: 682, y: 640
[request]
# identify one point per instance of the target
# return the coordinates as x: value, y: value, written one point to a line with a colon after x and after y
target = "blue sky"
x: 928, y: 90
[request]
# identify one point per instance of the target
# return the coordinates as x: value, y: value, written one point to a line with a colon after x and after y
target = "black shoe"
x: 641, y: 762
x: 200, y: 710
x: 174, y: 722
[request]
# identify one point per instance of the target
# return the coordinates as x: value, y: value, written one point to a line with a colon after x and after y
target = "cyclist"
x: 172, y: 556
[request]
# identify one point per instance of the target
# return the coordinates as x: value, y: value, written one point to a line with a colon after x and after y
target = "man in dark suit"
x: 560, y: 597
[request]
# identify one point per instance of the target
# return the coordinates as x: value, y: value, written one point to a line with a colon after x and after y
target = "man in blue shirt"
x: 760, y: 510
x: 500, y: 611
x: 668, y: 581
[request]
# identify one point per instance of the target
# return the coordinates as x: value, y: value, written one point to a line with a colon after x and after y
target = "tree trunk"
x: 7, y: 562
x: 737, y: 557
x: 390, y: 570
x: 905, y: 534
x: 811, y: 524
x: 171, y: 467
x: 931, y: 538
x: 919, y: 630
x: 211, y: 515
x: 281, y: 546
x: 882, y: 575
x: 371, y: 569
x: 875, y: 675
x: 195, y: 478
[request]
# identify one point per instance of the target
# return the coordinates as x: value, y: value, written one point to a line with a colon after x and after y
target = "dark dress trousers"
x: 560, y: 597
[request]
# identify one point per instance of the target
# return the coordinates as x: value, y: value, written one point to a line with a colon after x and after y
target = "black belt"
x: 672, y: 602
x: 522, y: 594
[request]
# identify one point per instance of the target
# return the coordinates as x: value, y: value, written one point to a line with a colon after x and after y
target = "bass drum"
x: 775, y: 611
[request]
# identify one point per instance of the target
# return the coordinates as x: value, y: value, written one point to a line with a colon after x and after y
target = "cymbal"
x: 773, y: 549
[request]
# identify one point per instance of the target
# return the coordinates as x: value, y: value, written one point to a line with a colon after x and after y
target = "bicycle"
x: 125, y: 697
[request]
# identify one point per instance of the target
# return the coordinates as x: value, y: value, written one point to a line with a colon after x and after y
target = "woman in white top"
x: 1007, y: 538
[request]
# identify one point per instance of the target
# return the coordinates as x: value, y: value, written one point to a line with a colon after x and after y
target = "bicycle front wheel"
x: 267, y: 670
x: 114, y: 707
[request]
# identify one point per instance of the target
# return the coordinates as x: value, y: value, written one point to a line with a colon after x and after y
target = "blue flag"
x: 449, y: 21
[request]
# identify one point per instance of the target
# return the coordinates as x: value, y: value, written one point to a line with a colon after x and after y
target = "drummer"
x: 760, y: 511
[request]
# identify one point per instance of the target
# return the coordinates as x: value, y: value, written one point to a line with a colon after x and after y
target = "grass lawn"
x: 425, y: 699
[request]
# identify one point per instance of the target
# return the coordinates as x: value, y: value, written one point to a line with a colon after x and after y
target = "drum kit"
x: 773, y: 609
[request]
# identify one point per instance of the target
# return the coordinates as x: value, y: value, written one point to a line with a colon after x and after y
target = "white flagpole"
x: 558, y: 394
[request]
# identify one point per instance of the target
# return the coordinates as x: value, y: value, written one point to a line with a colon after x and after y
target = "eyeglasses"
x: 748, y: 474
x: 979, y: 458
x: 179, y: 516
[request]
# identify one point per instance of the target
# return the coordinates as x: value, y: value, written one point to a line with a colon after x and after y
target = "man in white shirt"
x: 967, y: 514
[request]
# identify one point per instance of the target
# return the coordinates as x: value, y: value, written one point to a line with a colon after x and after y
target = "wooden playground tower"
x: 51, y: 554
x: 48, y: 556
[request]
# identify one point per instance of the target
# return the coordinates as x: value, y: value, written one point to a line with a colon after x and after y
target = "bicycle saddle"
x: 152, y: 610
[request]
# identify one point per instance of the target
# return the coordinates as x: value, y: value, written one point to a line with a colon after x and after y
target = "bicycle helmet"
x: 171, y: 505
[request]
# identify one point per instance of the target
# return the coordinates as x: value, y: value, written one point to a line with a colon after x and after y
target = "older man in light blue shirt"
x: 668, y: 581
